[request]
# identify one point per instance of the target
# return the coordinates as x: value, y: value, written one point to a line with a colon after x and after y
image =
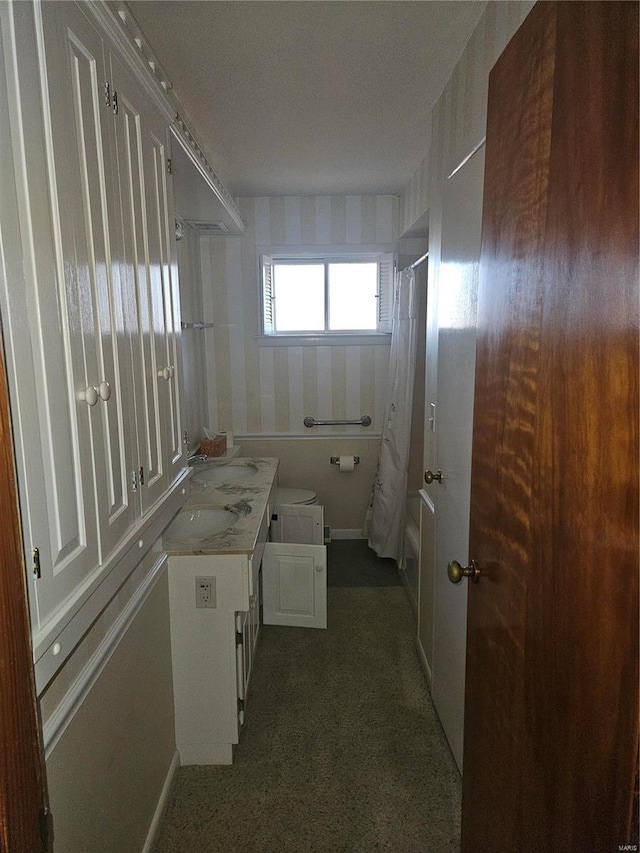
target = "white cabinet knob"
x: 164, y: 373
x: 89, y: 395
x: 172, y: 371
x: 104, y: 391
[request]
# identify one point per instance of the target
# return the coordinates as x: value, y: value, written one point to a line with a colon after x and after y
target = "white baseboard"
x: 163, y: 802
x: 407, y: 588
x: 347, y: 533
x: 424, y: 662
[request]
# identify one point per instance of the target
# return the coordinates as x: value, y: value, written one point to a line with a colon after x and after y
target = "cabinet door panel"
x: 151, y: 270
x: 165, y: 225
x: 81, y: 146
x: 294, y: 585
x: 144, y: 292
x: 298, y: 524
x: 61, y: 520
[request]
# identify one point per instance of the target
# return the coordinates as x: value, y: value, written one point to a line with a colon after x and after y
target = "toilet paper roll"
x: 347, y: 463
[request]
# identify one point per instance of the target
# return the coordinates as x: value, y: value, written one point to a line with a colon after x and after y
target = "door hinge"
x: 114, y: 103
x: 37, y: 572
x: 134, y: 481
x: 239, y: 639
x: 241, y: 706
x: 45, y: 820
x: 141, y: 475
x: 169, y: 166
x: 107, y: 94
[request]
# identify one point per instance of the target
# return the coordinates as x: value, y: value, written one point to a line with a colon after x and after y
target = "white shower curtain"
x: 385, y: 520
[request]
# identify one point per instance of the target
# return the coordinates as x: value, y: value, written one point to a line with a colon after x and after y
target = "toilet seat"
x: 301, y: 497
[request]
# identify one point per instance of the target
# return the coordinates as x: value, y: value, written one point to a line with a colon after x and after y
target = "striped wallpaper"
x: 415, y: 200
x: 256, y: 390
x: 268, y: 390
x: 458, y: 125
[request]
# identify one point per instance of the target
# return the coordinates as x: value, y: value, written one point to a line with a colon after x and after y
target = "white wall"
x: 193, y: 340
x: 459, y: 116
x: 264, y: 392
x: 458, y: 126
x: 112, y: 754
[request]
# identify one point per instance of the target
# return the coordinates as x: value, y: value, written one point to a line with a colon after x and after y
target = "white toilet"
x: 295, y: 497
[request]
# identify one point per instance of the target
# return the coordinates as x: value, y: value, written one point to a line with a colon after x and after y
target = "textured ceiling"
x: 307, y: 97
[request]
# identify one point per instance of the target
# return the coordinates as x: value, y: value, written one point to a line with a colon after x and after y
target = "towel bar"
x: 364, y: 421
x: 198, y: 324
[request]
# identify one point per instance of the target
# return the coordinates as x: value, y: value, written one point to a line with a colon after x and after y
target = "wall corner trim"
x: 163, y: 802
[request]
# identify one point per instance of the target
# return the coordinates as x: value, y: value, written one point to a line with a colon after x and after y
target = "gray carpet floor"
x: 341, y: 750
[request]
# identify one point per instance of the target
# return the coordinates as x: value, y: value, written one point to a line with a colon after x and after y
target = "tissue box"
x: 214, y: 446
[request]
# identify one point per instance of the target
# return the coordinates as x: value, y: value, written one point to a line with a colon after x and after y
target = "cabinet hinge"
x: 169, y: 166
x: 114, y: 103
x: 134, y: 481
x: 45, y: 822
x: 141, y: 475
x: 239, y: 638
x: 107, y: 94
x: 241, y: 706
x: 36, y: 563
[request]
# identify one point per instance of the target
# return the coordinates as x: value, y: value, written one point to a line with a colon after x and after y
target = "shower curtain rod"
x: 417, y: 263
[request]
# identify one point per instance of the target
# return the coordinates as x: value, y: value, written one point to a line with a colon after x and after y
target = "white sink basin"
x: 200, y: 523
x: 225, y: 473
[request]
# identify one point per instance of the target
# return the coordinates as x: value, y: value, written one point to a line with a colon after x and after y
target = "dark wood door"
x: 551, y: 728
x: 22, y: 795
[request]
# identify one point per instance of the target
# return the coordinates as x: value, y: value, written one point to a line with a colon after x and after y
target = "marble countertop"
x: 240, y: 486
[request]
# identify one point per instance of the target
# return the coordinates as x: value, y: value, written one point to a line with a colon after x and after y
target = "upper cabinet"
x: 93, y: 443
x: 149, y: 273
x: 112, y: 370
x: 92, y: 325
x: 90, y: 300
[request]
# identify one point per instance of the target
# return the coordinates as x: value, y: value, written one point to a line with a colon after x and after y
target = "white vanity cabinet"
x: 213, y: 646
x: 212, y: 651
x: 91, y: 327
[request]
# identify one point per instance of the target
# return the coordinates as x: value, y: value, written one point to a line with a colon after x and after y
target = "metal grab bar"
x: 198, y: 324
x: 364, y: 421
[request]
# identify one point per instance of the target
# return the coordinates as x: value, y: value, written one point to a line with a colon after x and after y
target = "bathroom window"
x: 326, y: 296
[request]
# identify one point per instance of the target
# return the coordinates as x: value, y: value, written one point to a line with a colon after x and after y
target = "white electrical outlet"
x: 205, y: 592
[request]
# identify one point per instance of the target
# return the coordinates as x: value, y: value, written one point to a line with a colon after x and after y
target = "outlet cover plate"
x: 205, y: 593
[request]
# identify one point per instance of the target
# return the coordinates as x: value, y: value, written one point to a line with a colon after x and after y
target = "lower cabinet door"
x: 298, y: 523
x: 294, y: 585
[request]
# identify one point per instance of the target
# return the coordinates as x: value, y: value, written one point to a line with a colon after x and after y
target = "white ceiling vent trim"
x: 184, y: 136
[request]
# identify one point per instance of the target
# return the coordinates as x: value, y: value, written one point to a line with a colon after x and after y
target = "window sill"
x: 367, y: 340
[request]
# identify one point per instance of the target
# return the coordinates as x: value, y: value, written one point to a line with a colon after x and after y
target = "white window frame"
x: 383, y: 255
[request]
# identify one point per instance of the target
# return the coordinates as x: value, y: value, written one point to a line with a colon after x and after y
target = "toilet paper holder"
x: 335, y: 460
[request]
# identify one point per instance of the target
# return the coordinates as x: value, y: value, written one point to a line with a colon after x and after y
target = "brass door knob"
x: 456, y: 572
x: 429, y: 476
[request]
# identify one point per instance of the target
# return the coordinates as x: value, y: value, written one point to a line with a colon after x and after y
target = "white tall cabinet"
x: 91, y: 328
